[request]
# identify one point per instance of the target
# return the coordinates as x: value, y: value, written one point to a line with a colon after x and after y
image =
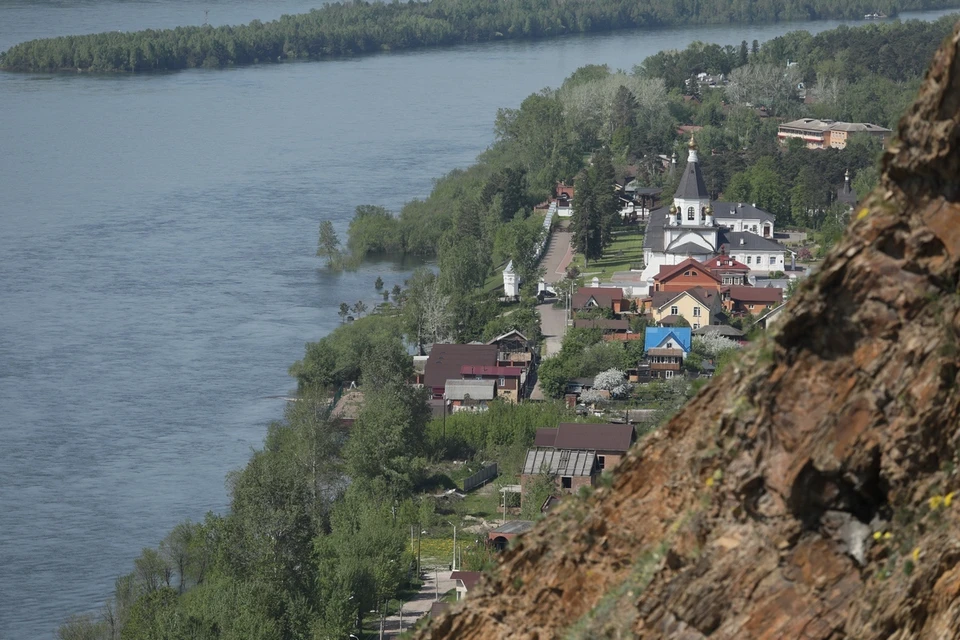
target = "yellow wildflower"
x: 877, y: 535
x: 863, y: 213
x: 947, y: 499
x: 916, y: 554
x: 887, y: 535
x: 709, y: 482
x: 935, y: 502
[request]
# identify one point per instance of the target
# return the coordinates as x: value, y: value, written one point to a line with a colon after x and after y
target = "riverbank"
x: 339, y: 30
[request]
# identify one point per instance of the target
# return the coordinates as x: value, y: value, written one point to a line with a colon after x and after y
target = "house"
x: 508, y: 381
x: 753, y: 300
x: 609, y: 441
x: 570, y: 468
x: 500, y: 537
x: 771, y: 317
x: 465, y: 581
x: 728, y: 270
x: 698, y: 306
x: 827, y: 134
x: 600, y: 298
x: 608, y: 326
x: 665, y: 349
x: 446, y: 360
x: 668, y: 338
x: 686, y: 275
x: 470, y: 395
x: 348, y: 406
x: 724, y: 330
x: 696, y: 227
x: 740, y: 217
x: 513, y: 350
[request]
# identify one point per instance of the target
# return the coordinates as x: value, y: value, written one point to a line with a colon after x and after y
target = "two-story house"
x: 686, y: 275
x: 698, y: 306
x: 612, y: 298
x: 446, y: 360
x: 508, y: 381
x: 728, y: 270
x: 610, y: 441
x: 752, y: 300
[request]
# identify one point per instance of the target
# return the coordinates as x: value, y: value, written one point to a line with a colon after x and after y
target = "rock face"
x: 805, y: 493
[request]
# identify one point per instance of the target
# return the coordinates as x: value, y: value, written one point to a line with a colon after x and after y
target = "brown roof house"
x: 600, y: 298
x: 513, y: 349
x: 728, y: 270
x: 751, y: 300
x: 502, y: 535
x: 610, y: 441
x: 446, y: 360
x: 683, y: 276
x: 466, y: 581
x: 607, y: 325
x: 509, y: 380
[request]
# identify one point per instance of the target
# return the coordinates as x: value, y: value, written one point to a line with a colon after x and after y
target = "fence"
x: 480, y: 477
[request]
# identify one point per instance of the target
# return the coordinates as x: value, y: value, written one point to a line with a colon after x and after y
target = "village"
x: 685, y: 284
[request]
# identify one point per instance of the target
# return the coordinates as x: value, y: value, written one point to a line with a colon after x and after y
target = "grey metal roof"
x: 476, y: 389
x: 751, y: 242
x: 690, y: 249
x: 724, y: 211
x: 653, y: 237
x: 719, y: 330
x: 514, y: 526
x: 560, y: 462
x: 691, y: 185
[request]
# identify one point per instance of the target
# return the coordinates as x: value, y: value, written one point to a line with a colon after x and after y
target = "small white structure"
x: 511, y: 286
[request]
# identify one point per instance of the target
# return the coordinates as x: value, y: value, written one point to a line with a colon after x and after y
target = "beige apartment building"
x: 827, y: 134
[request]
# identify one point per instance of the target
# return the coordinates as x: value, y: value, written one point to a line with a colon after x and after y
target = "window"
x: 751, y: 307
x: 727, y: 280
x: 566, y: 482
x: 759, y: 260
x: 754, y: 228
x: 668, y: 374
x: 669, y: 345
x: 687, y: 273
x: 696, y: 312
x: 690, y: 213
x: 601, y: 462
x: 696, y: 325
x: 674, y: 311
x: 773, y: 259
x: 502, y: 382
x: 748, y: 259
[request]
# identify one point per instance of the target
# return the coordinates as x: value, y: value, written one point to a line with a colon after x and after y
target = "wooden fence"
x: 480, y: 477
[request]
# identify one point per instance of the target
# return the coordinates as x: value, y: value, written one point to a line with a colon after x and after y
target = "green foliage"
x: 503, y: 425
x: 536, y: 493
x: 337, y: 358
x: 596, y: 207
x: 373, y: 230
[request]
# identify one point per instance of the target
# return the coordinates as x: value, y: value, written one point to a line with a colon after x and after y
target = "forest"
x: 341, y: 29
x: 317, y: 533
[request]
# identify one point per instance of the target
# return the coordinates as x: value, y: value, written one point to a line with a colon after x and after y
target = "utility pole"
x: 401, y: 617
x: 436, y: 581
x: 454, y: 548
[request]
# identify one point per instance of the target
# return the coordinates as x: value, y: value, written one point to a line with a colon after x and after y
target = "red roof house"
x: 686, y: 275
x: 446, y: 360
x: 600, y: 298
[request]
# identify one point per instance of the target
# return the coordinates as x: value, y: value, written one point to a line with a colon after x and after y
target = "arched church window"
x: 690, y: 213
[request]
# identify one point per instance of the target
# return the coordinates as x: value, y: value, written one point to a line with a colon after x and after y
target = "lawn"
x: 626, y: 249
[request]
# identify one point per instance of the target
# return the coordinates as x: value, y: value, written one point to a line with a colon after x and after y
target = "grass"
x: 626, y: 249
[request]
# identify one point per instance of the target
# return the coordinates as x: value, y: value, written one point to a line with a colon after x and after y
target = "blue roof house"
x: 668, y: 338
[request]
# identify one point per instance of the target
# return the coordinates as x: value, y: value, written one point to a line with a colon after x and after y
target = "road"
x: 558, y: 256
x: 416, y: 608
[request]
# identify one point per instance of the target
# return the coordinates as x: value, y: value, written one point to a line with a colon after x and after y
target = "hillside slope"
x: 806, y: 493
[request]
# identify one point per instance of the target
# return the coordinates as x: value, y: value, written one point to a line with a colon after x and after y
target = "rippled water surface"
x: 156, y: 261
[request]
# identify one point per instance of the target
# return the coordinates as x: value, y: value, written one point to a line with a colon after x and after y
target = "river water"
x: 157, y: 274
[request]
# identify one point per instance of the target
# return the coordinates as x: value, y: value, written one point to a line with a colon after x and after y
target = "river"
x: 157, y: 276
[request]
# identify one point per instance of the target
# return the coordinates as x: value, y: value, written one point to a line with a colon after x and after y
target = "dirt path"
x: 416, y: 608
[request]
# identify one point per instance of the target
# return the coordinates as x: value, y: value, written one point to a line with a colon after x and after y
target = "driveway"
x: 558, y: 255
x: 419, y: 606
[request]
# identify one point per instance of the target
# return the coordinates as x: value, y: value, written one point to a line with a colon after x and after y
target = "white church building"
x: 694, y: 227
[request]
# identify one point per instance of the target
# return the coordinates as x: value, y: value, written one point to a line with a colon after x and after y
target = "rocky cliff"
x: 808, y: 492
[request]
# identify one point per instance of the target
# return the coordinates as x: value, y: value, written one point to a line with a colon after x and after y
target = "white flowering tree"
x: 712, y: 345
x: 614, y: 381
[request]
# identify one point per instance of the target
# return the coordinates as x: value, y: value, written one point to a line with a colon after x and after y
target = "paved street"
x: 416, y: 608
x: 558, y: 256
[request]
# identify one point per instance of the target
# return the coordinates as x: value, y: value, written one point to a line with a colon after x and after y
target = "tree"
x: 328, y: 245
x: 378, y: 284
x: 596, y: 207
x: 742, y: 54
x: 359, y: 308
x: 343, y: 312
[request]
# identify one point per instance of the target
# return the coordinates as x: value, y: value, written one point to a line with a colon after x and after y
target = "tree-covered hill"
x: 341, y: 29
